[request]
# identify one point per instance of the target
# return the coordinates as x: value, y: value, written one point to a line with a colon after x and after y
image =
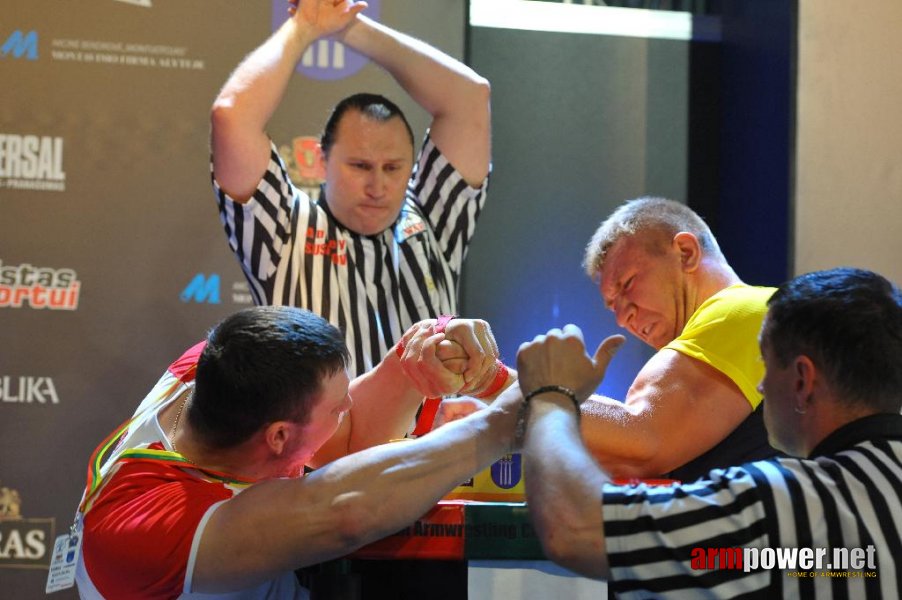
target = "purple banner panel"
x: 326, y: 59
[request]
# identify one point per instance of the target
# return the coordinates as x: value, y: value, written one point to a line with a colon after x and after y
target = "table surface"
x: 463, y: 530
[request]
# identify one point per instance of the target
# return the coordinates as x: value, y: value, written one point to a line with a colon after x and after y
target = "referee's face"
x: 367, y: 170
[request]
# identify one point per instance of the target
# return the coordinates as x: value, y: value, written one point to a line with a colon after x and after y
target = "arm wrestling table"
x: 497, y: 544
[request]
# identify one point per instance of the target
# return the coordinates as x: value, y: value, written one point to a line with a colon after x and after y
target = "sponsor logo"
x: 304, y: 160
x: 32, y: 162
x: 327, y: 59
x: 38, y: 287
x: 202, y: 289
x: 24, y: 543
x: 28, y: 390
x: 507, y: 471
x: 797, y: 562
x: 21, y: 45
x: 450, y: 523
x: 409, y: 225
x: 318, y: 244
x: 125, y: 54
x: 305, y: 164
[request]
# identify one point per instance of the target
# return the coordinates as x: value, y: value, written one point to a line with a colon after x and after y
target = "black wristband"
x: 521, y: 421
x: 554, y: 388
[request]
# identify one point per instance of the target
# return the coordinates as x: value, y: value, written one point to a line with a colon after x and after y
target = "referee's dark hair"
x: 374, y: 106
x: 261, y: 365
x: 849, y: 323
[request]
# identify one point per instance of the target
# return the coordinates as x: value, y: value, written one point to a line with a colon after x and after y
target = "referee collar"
x: 872, y: 427
x: 324, y: 204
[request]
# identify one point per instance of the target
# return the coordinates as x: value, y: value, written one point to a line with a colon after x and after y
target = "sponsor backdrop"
x: 112, y: 258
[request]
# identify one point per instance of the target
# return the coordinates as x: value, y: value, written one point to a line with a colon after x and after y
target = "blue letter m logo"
x: 20, y: 45
x: 202, y: 289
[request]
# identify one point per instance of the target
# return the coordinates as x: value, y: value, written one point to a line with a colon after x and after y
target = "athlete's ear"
x: 277, y: 435
x: 690, y: 250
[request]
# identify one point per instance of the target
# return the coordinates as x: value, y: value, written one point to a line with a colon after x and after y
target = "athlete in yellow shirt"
x: 692, y: 406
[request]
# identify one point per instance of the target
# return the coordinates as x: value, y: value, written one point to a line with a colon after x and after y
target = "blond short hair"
x: 643, y: 215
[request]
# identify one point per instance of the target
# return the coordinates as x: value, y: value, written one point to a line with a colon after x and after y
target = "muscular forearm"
x: 256, y: 87
x: 433, y: 79
x: 670, y: 416
x: 282, y: 524
x: 395, y: 483
x: 620, y: 438
x: 245, y: 105
x: 385, y: 403
x: 563, y: 486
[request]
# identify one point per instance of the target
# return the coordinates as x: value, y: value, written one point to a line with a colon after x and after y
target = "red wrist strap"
x: 427, y: 415
x: 430, y: 406
x: 501, y: 376
x: 442, y: 321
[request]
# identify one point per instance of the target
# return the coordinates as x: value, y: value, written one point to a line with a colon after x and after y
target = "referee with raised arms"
x: 383, y: 246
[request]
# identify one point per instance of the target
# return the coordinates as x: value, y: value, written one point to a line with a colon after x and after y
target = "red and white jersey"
x: 142, y: 529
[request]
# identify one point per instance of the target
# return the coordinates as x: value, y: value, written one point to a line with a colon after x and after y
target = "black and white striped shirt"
x: 294, y: 252
x: 848, y: 495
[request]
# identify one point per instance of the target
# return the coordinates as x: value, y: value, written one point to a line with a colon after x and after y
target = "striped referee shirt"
x: 847, y: 496
x: 294, y: 252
